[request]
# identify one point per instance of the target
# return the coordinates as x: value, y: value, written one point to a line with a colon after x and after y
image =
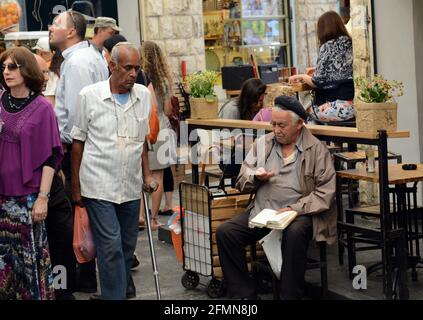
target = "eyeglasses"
x: 10, y: 66
x: 72, y: 17
x: 128, y: 126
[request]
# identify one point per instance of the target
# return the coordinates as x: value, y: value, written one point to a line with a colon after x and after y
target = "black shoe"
x: 253, y: 297
x: 96, y: 297
x: 87, y: 286
x: 166, y: 213
x: 131, y: 291
x: 65, y: 296
x: 135, y: 262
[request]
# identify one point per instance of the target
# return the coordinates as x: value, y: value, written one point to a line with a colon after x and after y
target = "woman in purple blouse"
x: 30, y: 151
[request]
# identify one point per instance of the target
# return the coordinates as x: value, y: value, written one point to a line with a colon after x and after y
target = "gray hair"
x: 115, y: 54
x: 295, y: 117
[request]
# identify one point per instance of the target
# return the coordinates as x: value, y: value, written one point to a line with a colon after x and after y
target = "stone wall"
x: 307, y: 12
x: 360, y: 29
x: 177, y: 26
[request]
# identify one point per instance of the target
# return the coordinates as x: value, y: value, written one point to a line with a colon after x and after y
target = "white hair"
x: 115, y: 54
x: 295, y: 117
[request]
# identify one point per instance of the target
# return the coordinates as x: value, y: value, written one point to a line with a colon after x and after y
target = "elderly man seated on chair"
x: 288, y: 169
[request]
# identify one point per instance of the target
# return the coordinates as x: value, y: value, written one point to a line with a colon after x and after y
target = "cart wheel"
x: 190, y: 280
x: 215, y: 288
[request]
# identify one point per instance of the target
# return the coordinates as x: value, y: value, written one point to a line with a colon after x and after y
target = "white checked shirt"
x: 114, y: 136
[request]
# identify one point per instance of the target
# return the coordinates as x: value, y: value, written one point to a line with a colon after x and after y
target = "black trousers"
x: 87, y: 273
x: 235, y: 235
x: 168, y: 184
x: 59, y: 226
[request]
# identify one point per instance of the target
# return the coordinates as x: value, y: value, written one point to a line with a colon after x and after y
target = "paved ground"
x: 170, y: 273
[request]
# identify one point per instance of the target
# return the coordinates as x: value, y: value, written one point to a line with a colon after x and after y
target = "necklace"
x: 22, y: 104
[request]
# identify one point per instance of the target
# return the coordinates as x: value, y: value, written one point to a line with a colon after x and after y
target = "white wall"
x: 418, y: 35
x: 129, y: 15
x: 396, y: 60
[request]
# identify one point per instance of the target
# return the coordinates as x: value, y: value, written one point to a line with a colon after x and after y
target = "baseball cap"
x: 106, y: 22
x: 42, y: 44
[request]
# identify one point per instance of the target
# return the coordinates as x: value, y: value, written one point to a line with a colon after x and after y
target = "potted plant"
x: 203, y: 100
x: 376, y: 108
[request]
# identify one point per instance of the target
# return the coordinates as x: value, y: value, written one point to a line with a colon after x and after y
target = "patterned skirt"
x: 339, y: 110
x: 25, y: 268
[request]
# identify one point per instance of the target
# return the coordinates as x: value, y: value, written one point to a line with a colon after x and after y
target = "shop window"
x: 236, y: 30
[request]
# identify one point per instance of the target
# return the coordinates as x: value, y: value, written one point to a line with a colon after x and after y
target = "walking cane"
x: 150, y: 240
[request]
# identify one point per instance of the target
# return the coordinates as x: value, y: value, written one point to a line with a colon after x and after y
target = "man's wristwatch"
x: 44, y: 195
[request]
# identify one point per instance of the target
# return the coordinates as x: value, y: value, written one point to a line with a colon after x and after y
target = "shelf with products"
x: 248, y: 27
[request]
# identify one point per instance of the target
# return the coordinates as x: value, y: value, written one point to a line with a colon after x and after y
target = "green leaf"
x: 210, y: 98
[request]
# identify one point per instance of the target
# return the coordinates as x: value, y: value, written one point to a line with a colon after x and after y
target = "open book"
x: 271, y: 219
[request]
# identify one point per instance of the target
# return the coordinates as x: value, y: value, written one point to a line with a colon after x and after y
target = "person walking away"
x: 81, y: 67
x: 154, y: 63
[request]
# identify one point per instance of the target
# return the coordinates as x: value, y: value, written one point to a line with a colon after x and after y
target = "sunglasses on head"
x: 10, y: 66
x: 72, y: 18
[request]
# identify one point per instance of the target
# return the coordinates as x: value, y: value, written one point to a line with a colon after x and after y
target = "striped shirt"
x: 114, y: 137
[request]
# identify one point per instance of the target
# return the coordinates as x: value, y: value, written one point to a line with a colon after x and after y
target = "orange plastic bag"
x: 175, y: 225
x: 83, y: 241
x: 154, y: 123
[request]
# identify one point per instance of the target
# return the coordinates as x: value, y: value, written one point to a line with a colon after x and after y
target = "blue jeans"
x: 115, y: 231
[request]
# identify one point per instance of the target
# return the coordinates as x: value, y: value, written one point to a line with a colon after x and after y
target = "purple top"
x: 265, y: 115
x: 27, y: 140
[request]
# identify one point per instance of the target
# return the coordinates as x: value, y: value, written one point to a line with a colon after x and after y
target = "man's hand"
x: 150, y: 184
x: 263, y: 175
x: 39, y: 210
x: 77, y: 199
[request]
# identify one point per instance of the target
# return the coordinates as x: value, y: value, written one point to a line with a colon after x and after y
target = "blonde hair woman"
x: 155, y: 66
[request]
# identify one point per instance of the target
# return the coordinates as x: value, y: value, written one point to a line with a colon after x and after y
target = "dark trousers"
x: 235, y: 235
x: 87, y: 273
x: 59, y: 226
x: 168, y: 184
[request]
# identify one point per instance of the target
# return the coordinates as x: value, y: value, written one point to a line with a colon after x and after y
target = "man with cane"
x: 110, y: 165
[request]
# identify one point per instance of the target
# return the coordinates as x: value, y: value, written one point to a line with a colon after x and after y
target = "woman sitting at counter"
x: 249, y: 102
x: 332, y: 81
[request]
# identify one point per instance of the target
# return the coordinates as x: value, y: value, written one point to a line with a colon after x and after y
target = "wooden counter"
x: 396, y: 175
x: 319, y: 130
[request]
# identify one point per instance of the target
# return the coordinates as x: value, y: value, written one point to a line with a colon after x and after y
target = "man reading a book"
x: 289, y: 170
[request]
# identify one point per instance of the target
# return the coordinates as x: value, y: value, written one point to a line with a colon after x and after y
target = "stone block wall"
x: 307, y: 12
x: 177, y: 26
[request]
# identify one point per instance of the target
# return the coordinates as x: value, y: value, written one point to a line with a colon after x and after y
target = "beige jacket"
x: 318, y: 183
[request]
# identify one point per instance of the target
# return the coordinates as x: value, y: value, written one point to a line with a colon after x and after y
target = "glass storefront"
x: 236, y: 31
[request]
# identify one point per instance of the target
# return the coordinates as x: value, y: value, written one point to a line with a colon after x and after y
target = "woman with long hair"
x: 155, y: 66
x: 249, y: 102
x: 332, y: 82
x: 53, y: 76
x: 30, y: 151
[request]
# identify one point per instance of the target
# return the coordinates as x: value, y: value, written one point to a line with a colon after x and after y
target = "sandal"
x: 166, y: 212
x: 155, y: 224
